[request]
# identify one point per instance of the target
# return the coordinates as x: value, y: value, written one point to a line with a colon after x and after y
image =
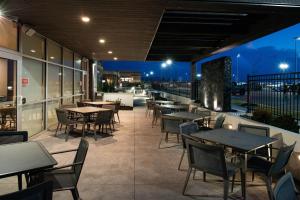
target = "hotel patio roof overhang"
x: 153, y: 29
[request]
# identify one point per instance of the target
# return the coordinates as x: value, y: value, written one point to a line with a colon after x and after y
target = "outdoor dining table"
x: 99, y: 103
x: 186, y: 116
x: 175, y: 107
x: 241, y: 142
x: 86, y: 112
x: 24, y: 157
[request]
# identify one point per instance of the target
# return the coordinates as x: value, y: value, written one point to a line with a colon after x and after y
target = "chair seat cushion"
x: 259, y: 164
x: 62, y: 179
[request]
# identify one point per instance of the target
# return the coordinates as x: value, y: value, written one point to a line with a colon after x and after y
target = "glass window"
x: 8, y: 34
x: 32, y: 118
x: 77, y: 59
x: 68, y: 82
x: 54, y: 52
x: 52, y: 105
x: 77, y: 82
x: 54, y: 81
x: 68, y: 100
x: 68, y: 58
x: 33, y: 45
x: 33, y: 76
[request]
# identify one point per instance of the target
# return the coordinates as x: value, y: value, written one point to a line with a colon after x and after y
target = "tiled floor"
x: 129, y: 166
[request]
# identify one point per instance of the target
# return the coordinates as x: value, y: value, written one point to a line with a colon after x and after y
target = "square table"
x: 86, y: 112
x: 24, y: 157
x: 174, y: 107
x: 240, y: 141
x: 99, y: 103
x: 187, y: 116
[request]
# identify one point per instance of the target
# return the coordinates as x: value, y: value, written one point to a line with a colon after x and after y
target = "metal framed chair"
x: 41, y: 191
x: 209, y: 159
x: 103, y: 119
x: 66, y: 177
x: 113, y: 108
x: 7, y: 137
x: 117, y: 108
x: 186, y: 129
x: 285, y: 188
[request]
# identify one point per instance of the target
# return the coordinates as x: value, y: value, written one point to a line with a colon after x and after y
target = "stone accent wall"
x: 216, y: 84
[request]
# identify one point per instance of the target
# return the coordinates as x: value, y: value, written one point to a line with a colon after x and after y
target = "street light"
x: 151, y: 72
x: 169, y: 62
x: 283, y: 66
x: 164, y: 65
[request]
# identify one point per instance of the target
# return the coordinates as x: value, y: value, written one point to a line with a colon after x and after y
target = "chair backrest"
x: 80, y: 158
x: 80, y: 104
x: 104, y: 117
x: 43, y: 191
x: 171, y: 125
x: 203, y: 112
x: 187, y: 128
x: 7, y: 137
x: 111, y: 107
x: 282, y: 159
x: 257, y: 130
x: 208, y: 158
x: 219, y: 121
x: 285, y: 188
x: 61, y: 116
x: 68, y: 106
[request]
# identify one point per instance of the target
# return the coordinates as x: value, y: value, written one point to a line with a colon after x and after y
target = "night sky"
x: 261, y: 56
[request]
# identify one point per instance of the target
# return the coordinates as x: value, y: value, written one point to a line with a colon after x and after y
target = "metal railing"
x: 277, y: 93
x: 176, y: 88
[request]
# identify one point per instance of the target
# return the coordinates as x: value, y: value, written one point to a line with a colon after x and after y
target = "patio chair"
x: 170, y: 126
x: 41, y: 191
x: 186, y: 129
x: 66, y: 177
x: 7, y: 137
x: 103, y: 119
x: 261, y: 131
x: 268, y: 168
x: 62, y: 119
x: 149, y: 107
x: 113, y: 108
x: 218, y: 123
x: 286, y: 189
x: 158, y: 112
x: 117, y: 108
x: 209, y: 159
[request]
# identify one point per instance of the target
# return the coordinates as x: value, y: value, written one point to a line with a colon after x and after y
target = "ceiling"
x: 152, y: 29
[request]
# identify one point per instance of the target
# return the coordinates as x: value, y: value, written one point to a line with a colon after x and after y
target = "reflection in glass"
x: 33, y: 45
x: 54, y: 52
x: 52, y: 105
x: 32, y: 74
x: 32, y: 118
x: 77, y: 82
x: 68, y: 57
x: 68, y: 82
x: 77, y: 60
x: 54, y: 81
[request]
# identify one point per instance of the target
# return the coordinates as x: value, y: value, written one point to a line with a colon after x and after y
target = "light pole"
x: 237, y: 67
x: 296, y: 53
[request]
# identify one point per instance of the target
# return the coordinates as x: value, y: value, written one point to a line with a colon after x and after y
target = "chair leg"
x: 177, y: 138
x: 186, y: 180
x: 60, y: 127
x: 204, y: 176
x: 118, y: 117
x: 181, y: 158
x: 226, y: 188
x: 95, y: 130
x: 67, y: 131
x: 161, y: 139
x: 75, y: 194
x: 57, y: 129
x: 232, y: 184
x: 20, y: 181
x: 269, y: 187
x: 253, y: 176
x: 167, y: 137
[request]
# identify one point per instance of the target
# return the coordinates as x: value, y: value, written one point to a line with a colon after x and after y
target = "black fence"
x: 176, y: 88
x: 277, y: 93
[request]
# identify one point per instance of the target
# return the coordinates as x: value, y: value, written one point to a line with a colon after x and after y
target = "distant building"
x: 130, y: 77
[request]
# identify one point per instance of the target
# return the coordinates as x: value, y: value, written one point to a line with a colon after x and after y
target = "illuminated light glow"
x: 52, y: 57
x: 103, y: 81
x: 169, y: 62
x: 199, y: 75
x: 147, y: 75
x: 298, y: 157
x: 297, y: 38
x: 205, y: 100
x: 109, y: 52
x: 230, y: 126
x: 32, y: 51
x: 59, y: 74
x: 163, y: 65
x: 151, y: 72
x: 215, y: 103
x: 102, y: 41
x: 9, y: 87
x: 238, y: 55
x: 85, y: 19
x: 115, y: 58
x: 283, y: 66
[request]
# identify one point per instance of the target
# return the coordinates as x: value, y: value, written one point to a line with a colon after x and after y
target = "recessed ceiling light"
x: 102, y: 41
x: 109, y: 52
x: 52, y: 57
x: 115, y: 58
x: 32, y: 51
x: 85, y: 19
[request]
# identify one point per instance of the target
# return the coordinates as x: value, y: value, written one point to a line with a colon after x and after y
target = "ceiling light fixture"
x: 52, y: 57
x: 169, y: 62
x: 102, y: 41
x: 85, y: 19
x: 32, y: 51
x: 115, y: 58
x: 109, y: 52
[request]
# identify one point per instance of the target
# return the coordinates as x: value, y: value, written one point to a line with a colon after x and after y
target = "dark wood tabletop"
x: 175, y: 107
x: 238, y: 140
x: 185, y: 115
x: 23, y: 157
x: 99, y: 103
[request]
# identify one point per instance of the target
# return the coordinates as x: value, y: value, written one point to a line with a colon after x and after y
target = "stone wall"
x: 215, y: 87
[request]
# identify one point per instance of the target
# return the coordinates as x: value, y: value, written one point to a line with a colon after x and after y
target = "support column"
x: 193, y: 81
x: 92, y: 73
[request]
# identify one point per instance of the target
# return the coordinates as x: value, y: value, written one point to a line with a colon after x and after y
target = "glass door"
x: 9, y: 100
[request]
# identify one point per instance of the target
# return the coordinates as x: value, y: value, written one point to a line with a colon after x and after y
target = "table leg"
x: 244, y: 178
x: 20, y: 181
